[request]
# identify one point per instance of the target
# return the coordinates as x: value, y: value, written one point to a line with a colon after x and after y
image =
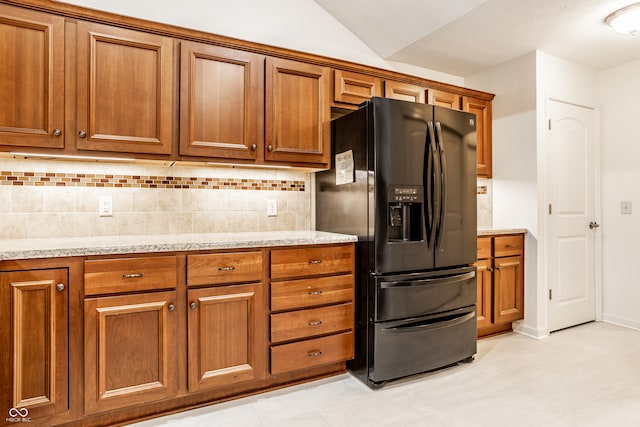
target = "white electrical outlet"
x: 272, y: 207
x: 625, y: 208
x: 105, y: 206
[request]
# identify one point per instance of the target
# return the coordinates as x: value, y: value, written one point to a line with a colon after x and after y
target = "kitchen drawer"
x: 109, y: 276
x: 311, y: 322
x: 302, y: 293
x: 223, y: 268
x: 507, y: 245
x: 313, y: 352
x: 484, y: 247
x: 314, y: 261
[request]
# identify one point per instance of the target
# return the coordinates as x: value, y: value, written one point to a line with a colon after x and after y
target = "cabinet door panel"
x: 220, y: 102
x: 130, y: 350
x: 482, y: 110
x: 509, y: 301
x: 34, y: 333
x: 31, y: 78
x: 404, y: 91
x: 444, y: 99
x: 125, y: 99
x: 227, y: 341
x: 484, y: 305
x: 355, y: 88
x: 297, y: 112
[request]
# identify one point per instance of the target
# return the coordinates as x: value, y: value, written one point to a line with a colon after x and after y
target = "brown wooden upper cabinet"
x: 221, y: 98
x: 32, y: 78
x: 355, y: 88
x: 297, y: 112
x: 404, y: 91
x: 124, y: 90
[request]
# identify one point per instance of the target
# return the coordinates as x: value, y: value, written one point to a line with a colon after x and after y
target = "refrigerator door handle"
x: 424, y: 282
x: 443, y: 186
x: 432, y: 184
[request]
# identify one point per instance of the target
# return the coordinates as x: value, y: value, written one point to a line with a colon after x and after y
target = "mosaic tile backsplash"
x: 60, y: 199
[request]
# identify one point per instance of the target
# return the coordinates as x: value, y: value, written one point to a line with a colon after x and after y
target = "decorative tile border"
x: 137, y: 181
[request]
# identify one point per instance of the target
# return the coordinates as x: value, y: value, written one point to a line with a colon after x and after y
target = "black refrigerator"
x: 403, y: 179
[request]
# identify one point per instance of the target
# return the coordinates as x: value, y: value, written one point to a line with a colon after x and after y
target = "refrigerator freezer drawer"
x: 414, y: 295
x: 422, y: 344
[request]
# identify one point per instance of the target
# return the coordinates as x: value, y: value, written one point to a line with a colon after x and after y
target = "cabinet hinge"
x: 549, y: 124
x: 550, y: 209
x: 550, y: 294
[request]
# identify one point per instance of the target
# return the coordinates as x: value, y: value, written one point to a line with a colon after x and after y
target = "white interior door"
x: 570, y: 259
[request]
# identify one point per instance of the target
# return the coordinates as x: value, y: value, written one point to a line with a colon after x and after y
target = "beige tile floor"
x: 587, y: 376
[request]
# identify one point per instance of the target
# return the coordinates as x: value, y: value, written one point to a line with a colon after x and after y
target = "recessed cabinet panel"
x: 482, y: 110
x: 220, y: 102
x: 297, y: 112
x: 130, y: 349
x: 355, y: 88
x: 404, y: 91
x: 125, y: 99
x: 34, y: 336
x: 31, y: 78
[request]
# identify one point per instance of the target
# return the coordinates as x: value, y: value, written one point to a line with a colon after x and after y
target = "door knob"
x: 593, y: 225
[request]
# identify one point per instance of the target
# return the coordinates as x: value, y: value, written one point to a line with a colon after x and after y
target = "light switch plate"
x: 625, y: 208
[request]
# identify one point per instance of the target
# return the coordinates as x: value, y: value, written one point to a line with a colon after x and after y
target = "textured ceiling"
x: 463, y: 37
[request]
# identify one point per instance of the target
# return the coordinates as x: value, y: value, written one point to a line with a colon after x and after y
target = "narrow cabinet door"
x: 34, y: 335
x: 130, y: 349
x: 31, y: 78
x: 482, y: 110
x: 227, y: 336
x: 509, y: 289
x: 297, y: 112
x: 125, y: 90
x: 221, y: 98
x: 484, y: 304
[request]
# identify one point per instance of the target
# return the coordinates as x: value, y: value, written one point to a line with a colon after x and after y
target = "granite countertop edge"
x: 500, y: 231
x: 111, y: 245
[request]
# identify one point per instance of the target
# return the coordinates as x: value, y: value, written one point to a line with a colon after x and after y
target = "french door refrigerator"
x: 403, y: 179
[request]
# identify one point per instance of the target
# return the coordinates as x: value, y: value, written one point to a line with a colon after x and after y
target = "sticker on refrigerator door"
x: 344, y: 168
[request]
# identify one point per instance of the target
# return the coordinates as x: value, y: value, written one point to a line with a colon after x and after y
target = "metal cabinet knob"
x: 593, y: 225
x: 82, y: 134
x: 171, y: 307
x: 254, y: 147
x: 57, y: 132
x: 60, y: 287
x: 270, y: 147
x: 193, y: 305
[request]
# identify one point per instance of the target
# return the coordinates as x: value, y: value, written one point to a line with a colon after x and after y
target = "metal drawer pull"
x: 131, y: 276
x: 315, y: 261
x: 314, y: 353
x: 315, y: 323
x: 226, y: 268
x: 314, y: 293
x: 510, y: 246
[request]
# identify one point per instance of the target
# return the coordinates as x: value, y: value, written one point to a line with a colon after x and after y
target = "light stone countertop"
x: 500, y: 231
x: 85, y: 246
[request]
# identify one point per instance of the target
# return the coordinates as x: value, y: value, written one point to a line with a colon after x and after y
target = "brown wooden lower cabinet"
x: 500, y: 283
x: 34, y: 333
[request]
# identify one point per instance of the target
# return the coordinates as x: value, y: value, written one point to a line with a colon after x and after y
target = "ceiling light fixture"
x: 625, y: 20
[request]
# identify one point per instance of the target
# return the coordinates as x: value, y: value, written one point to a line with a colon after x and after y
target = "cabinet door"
x: 297, y: 114
x: 124, y: 91
x: 31, y: 78
x: 355, y: 88
x: 130, y: 350
x: 220, y: 102
x: 227, y: 335
x: 404, y: 91
x: 484, y: 304
x: 482, y: 110
x: 509, y: 289
x: 35, y: 344
x: 444, y: 99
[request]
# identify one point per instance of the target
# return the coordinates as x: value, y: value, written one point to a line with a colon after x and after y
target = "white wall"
x: 293, y: 24
x: 620, y: 175
x: 514, y: 164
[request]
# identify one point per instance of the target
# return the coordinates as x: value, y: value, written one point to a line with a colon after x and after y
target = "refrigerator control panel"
x: 406, y: 193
